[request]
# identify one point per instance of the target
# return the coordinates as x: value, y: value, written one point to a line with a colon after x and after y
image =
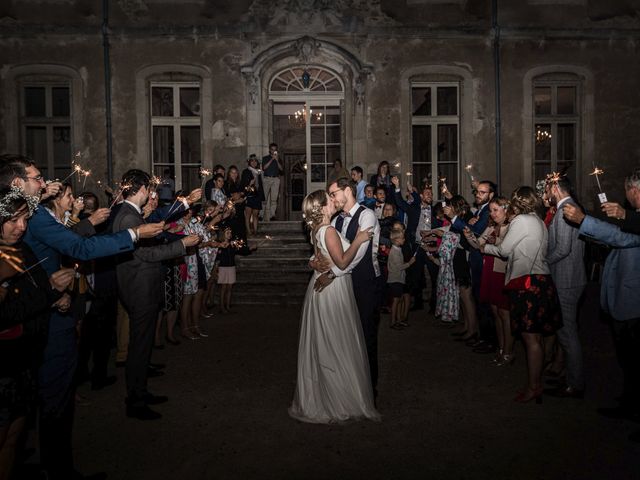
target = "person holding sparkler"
x: 619, y: 296
x: 226, y: 267
x: 140, y: 283
x: 49, y: 240
x: 251, y: 182
x: 24, y: 321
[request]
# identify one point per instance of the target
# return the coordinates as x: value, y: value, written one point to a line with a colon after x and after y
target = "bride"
x: 333, y: 382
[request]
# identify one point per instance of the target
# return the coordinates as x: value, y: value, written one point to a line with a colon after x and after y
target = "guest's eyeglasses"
x: 484, y: 192
x: 333, y: 194
x: 37, y: 178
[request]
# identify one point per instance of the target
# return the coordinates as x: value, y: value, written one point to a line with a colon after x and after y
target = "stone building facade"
x: 418, y: 83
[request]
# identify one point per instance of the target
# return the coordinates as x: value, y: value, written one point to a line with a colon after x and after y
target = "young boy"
x: 396, y: 267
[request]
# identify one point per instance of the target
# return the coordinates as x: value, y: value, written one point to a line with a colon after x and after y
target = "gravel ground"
x: 446, y: 413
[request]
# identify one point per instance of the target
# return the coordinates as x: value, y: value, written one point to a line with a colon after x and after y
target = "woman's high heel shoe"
x: 527, y: 395
x: 506, y: 360
x: 199, y: 332
x: 189, y: 336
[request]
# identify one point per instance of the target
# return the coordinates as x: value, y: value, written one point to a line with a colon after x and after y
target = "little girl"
x: 226, y: 269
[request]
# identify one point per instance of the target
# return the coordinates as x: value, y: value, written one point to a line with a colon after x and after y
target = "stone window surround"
x: 585, y: 107
x: 171, y: 72
x: 439, y: 73
x: 18, y: 75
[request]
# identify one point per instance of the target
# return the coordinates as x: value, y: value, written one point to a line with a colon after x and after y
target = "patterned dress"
x: 203, y: 259
x: 447, y: 302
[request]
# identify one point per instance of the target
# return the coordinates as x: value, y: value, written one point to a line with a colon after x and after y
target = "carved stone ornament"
x: 306, y: 49
x: 359, y: 90
x: 317, y: 15
x: 253, y: 87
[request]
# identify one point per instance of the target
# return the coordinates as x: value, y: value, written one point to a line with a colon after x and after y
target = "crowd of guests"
x: 75, y: 275
x: 511, y: 268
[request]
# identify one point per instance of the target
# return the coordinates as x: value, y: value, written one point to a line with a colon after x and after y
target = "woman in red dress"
x: 492, y: 282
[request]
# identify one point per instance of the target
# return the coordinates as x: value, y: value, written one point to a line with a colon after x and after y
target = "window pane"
x: 542, y: 100
x: 317, y: 115
x: 60, y: 101
x: 333, y: 153
x: 542, y: 138
x: 566, y: 100
x: 421, y: 101
x: 317, y: 135
x: 421, y: 144
x: 190, y: 178
x: 421, y: 174
x: 541, y: 170
x: 333, y: 134
x: 569, y: 170
x: 189, y: 102
x: 447, y: 100
x: 450, y: 172
x: 62, y: 147
x: 35, y: 102
x: 318, y: 155
x: 162, y: 101
x: 163, y: 147
x: 190, y: 144
x: 36, y: 144
x: 566, y: 141
x: 447, y: 143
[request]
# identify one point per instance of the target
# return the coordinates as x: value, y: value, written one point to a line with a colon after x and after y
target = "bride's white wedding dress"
x: 333, y: 383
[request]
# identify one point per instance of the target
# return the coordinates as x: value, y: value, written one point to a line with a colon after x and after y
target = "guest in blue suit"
x: 49, y: 240
x: 619, y: 296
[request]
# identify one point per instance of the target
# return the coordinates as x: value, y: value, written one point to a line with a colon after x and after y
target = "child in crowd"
x: 396, y: 267
x: 369, y: 199
x: 226, y: 268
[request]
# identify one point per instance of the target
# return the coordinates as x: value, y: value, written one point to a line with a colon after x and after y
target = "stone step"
x: 240, y: 297
x: 278, y: 239
x: 279, y: 264
x: 267, y: 277
x: 278, y: 227
x: 286, y: 251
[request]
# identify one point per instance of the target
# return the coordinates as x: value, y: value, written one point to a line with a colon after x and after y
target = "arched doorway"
x: 307, y: 124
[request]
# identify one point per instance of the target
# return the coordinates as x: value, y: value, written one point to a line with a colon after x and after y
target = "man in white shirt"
x: 364, y: 269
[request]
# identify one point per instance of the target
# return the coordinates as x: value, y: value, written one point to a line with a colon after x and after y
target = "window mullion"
x: 177, y: 155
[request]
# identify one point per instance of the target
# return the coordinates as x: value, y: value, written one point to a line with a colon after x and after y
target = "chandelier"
x: 542, y: 135
x: 299, y: 117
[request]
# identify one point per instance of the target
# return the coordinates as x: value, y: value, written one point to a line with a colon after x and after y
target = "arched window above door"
x: 311, y: 79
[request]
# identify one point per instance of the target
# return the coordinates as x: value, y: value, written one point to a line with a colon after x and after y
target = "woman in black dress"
x: 26, y: 299
x: 251, y: 182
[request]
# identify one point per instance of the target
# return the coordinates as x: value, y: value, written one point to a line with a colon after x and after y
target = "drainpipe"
x: 495, y: 29
x: 107, y: 88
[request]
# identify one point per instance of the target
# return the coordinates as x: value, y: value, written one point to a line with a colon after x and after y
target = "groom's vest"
x: 363, y: 273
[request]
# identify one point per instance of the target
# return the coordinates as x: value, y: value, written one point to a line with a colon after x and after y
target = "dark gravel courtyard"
x: 446, y: 413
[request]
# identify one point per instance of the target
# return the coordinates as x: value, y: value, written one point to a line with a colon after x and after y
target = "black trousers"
x: 96, y: 338
x: 368, y: 298
x: 142, y: 326
x: 626, y: 336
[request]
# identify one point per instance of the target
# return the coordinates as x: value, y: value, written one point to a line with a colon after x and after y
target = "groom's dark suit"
x: 366, y: 286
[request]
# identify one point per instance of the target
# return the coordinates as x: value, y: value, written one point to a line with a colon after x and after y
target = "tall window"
x: 46, y: 127
x: 175, y: 132
x: 557, y: 126
x: 435, y: 124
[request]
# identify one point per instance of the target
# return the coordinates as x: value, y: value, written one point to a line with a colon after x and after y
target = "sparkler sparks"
x: 14, y: 261
x: 596, y: 173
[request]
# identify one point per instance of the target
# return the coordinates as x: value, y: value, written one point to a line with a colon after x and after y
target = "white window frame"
x: 176, y: 121
x: 554, y: 119
x: 434, y: 121
x: 48, y: 122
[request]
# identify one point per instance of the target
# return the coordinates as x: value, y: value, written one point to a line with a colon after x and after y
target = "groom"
x: 364, y: 269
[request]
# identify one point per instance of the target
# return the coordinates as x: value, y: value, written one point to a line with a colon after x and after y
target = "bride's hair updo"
x: 312, y: 208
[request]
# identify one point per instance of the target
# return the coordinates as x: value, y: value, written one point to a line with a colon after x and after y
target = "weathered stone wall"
x: 400, y: 40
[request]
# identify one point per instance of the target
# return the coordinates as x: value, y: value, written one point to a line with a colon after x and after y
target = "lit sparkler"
x: 596, y: 173
x: 14, y: 261
x: 443, y: 184
x: 85, y: 173
x: 237, y: 244
x: 469, y: 170
x: 174, y: 206
x: 204, y: 173
x: 77, y: 169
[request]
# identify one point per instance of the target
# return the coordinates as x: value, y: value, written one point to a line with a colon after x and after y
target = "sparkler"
x: 204, y: 173
x: 34, y: 265
x: 14, y: 261
x: 117, y: 196
x: 76, y: 170
x: 86, y: 173
x: 174, y: 207
x: 596, y: 173
x: 443, y: 184
x: 237, y: 244
x: 469, y: 171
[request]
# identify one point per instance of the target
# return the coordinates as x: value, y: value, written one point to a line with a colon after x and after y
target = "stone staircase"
x: 278, y: 273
